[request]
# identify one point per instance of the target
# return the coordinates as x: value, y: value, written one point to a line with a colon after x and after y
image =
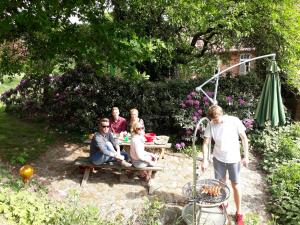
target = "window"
x: 245, y: 67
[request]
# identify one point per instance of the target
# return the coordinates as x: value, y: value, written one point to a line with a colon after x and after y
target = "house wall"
x: 234, y: 59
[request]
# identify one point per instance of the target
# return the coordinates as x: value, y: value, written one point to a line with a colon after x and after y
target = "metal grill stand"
x: 201, y: 205
x: 207, y: 207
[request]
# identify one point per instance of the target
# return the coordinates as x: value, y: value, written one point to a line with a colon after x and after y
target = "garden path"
x: 114, y: 198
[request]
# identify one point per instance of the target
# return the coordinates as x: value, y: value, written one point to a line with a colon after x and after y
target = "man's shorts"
x: 221, y: 168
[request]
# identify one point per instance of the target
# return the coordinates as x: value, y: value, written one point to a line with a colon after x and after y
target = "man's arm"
x: 101, y: 145
x: 245, y: 144
x: 205, y: 153
x: 114, y: 143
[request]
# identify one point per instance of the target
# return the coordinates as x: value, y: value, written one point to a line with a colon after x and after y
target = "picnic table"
x: 158, y: 144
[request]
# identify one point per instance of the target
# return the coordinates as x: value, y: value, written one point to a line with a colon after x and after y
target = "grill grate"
x: 205, y: 199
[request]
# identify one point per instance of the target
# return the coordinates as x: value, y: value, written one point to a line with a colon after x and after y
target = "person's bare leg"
x: 237, y: 195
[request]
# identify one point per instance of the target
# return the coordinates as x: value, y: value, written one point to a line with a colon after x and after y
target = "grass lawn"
x: 21, y: 140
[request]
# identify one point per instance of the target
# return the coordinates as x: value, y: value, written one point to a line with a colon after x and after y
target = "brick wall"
x: 234, y: 59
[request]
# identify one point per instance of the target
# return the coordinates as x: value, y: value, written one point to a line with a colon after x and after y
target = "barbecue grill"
x: 207, y: 206
x: 204, y: 200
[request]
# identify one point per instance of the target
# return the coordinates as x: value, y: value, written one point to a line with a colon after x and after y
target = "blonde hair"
x: 214, y: 111
x: 134, y: 127
x: 134, y: 110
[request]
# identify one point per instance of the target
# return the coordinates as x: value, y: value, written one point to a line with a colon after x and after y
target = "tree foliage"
x: 139, y: 37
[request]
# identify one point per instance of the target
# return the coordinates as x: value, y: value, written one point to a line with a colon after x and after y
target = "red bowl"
x: 150, y: 137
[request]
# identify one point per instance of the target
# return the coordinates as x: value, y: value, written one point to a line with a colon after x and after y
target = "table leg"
x: 162, y: 153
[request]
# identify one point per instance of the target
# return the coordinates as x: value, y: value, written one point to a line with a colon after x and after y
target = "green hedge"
x: 277, y: 145
x: 33, y: 208
x: 75, y: 100
x: 285, y: 198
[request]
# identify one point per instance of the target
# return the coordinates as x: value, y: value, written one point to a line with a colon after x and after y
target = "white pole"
x: 214, y: 101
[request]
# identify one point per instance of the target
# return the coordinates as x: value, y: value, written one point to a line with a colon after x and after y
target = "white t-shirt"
x: 226, y: 137
x: 137, y: 148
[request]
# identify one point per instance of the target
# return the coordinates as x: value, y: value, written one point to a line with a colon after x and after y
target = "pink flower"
x: 228, y: 99
x: 210, y: 93
x: 189, y: 97
x: 182, y: 144
x: 183, y: 105
x: 193, y: 93
x: 196, y: 114
x: 248, y: 123
x: 241, y: 101
x: 196, y: 103
x: 178, y: 146
x: 189, y: 102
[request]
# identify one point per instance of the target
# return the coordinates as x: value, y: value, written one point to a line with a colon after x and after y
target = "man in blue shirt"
x: 104, y: 148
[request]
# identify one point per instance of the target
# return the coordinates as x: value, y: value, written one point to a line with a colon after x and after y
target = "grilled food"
x: 214, y: 190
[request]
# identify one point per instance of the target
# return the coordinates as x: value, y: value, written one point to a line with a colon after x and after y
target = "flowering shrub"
x: 76, y: 99
x: 235, y: 99
x: 180, y: 146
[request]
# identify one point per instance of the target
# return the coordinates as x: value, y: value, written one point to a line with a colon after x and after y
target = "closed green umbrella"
x: 270, y: 106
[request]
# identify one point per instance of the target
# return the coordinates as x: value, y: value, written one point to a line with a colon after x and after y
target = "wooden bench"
x: 85, y: 163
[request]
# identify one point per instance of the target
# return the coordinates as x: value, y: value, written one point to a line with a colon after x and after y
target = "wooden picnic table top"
x: 147, y: 144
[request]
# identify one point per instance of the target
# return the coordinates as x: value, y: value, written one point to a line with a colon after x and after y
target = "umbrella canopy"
x: 270, y: 106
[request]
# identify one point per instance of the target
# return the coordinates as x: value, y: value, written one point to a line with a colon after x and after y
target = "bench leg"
x: 85, y: 176
x: 153, y: 174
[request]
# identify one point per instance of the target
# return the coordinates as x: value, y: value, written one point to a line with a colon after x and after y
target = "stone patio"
x: 115, y: 195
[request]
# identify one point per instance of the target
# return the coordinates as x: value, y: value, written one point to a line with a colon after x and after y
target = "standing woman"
x: 134, y: 118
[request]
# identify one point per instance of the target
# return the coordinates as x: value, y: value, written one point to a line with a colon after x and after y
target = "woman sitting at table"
x: 134, y: 118
x: 139, y: 157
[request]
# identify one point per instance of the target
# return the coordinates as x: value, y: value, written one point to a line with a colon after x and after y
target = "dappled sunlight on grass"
x: 21, y: 140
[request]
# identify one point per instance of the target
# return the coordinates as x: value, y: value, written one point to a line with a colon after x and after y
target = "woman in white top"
x: 139, y: 157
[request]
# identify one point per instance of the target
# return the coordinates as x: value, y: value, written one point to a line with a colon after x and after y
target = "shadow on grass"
x: 21, y: 140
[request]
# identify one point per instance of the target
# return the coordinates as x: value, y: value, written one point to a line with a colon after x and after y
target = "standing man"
x: 117, y: 123
x: 104, y: 148
x: 225, y: 131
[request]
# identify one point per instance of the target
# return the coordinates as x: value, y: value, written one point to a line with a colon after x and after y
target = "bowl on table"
x: 161, y: 140
x: 150, y: 137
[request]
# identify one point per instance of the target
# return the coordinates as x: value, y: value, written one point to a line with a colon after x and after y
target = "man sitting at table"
x: 104, y: 148
x: 117, y: 123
